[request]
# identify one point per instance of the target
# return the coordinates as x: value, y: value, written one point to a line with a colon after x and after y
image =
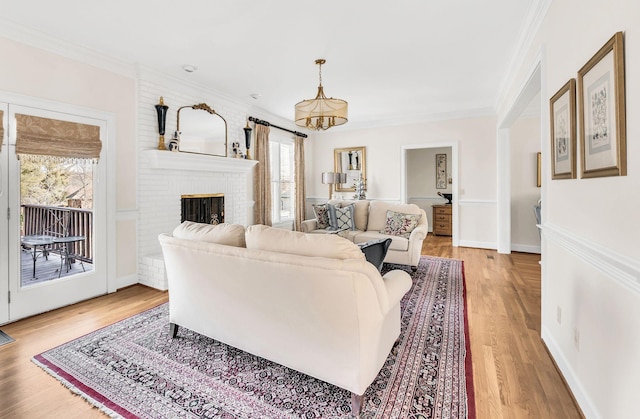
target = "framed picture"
x: 539, y: 173
x: 601, y: 88
x: 441, y: 171
x: 563, y: 132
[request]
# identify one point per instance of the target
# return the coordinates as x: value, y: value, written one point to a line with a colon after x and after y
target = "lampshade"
x: 333, y: 178
x: 322, y: 112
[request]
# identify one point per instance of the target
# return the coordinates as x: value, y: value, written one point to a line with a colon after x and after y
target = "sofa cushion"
x: 400, y: 224
x: 321, y: 212
x: 398, y: 243
x: 378, y: 213
x: 341, y: 218
x: 361, y: 211
x: 297, y: 243
x: 227, y: 234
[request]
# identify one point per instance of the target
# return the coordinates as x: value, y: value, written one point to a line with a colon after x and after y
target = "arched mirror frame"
x: 206, y: 108
x: 354, y: 168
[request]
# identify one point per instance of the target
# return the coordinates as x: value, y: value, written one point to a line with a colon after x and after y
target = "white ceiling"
x: 403, y: 59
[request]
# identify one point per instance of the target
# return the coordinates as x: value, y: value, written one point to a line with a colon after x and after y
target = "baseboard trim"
x: 478, y: 245
x: 620, y: 268
x: 584, y: 403
x: 126, y: 281
x: 526, y: 248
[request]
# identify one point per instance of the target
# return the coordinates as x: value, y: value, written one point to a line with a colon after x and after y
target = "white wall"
x: 40, y: 74
x: 590, y: 249
x: 525, y: 145
x: 421, y: 179
x: 476, y: 139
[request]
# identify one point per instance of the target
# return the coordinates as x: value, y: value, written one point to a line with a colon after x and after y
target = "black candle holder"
x: 247, y: 139
x: 161, y: 109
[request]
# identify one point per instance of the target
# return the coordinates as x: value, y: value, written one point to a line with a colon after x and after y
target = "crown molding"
x: 37, y: 39
x: 419, y: 119
x: 528, y: 31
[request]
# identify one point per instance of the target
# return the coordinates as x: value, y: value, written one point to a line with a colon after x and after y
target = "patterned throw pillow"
x: 399, y: 224
x: 322, y: 215
x: 341, y: 218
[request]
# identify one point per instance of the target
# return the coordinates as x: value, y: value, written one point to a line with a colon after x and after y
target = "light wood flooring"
x: 514, y: 377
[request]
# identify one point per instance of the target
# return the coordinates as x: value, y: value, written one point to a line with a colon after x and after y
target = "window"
x: 282, y: 180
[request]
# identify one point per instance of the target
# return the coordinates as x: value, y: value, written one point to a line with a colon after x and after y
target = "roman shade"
x: 1, y: 129
x: 53, y: 138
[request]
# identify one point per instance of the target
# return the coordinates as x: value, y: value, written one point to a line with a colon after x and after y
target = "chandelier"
x: 322, y: 112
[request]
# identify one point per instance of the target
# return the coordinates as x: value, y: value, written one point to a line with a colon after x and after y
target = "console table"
x: 442, y: 220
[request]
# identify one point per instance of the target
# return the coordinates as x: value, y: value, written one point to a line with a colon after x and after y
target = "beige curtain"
x: 37, y: 137
x: 1, y: 129
x: 300, y: 208
x: 262, y: 178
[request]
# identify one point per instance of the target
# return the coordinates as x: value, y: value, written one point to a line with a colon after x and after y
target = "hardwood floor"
x: 514, y: 377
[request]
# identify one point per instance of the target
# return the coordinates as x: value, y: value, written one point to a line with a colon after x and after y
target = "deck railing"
x: 37, y: 218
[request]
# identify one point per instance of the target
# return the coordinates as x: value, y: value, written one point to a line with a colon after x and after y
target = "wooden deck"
x: 47, y: 269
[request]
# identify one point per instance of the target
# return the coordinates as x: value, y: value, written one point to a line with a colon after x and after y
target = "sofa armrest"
x: 397, y: 283
x: 419, y: 233
x: 308, y: 226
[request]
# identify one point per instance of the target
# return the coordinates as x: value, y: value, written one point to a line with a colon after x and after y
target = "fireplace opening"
x: 203, y: 208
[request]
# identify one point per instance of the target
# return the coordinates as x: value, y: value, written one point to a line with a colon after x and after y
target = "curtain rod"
x: 267, y: 124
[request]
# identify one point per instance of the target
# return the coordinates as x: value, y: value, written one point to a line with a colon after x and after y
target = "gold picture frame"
x: 601, y: 97
x: 352, y: 161
x: 562, y: 107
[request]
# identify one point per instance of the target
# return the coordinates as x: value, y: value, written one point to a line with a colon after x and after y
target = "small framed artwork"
x: 601, y: 96
x: 563, y: 132
x: 441, y: 171
x: 539, y: 166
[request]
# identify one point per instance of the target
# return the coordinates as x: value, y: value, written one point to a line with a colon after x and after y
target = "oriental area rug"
x: 133, y: 369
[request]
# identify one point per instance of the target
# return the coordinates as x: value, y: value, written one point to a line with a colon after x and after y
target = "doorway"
x: 427, y: 196
x: 53, y: 244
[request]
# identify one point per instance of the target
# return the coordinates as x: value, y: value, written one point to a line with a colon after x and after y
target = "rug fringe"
x: 75, y: 390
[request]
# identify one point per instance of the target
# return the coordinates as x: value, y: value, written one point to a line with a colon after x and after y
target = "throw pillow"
x: 322, y: 215
x: 227, y: 234
x: 272, y: 239
x: 399, y: 224
x: 341, y: 218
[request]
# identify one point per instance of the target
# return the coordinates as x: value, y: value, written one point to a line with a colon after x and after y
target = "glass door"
x: 56, y: 229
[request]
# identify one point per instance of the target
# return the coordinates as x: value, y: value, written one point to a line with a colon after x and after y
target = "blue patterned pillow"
x: 341, y: 218
x: 322, y: 215
x: 399, y: 224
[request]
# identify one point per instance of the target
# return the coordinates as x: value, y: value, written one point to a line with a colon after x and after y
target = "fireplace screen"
x: 208, y: 209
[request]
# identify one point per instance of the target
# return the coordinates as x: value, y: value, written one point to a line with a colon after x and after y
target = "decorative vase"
x: 247, y: 139
x: 161, y: 109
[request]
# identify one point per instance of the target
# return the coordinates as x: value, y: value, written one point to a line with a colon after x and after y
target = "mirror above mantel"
x: 201, y: 130
x: 350, y: 160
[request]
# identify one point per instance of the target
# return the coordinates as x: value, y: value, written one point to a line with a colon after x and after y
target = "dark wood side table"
x: 442, y: 220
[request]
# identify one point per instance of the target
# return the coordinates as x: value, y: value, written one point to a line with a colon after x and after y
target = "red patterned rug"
x: 134, y: 369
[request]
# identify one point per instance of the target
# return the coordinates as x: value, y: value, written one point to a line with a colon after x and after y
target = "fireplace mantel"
x: 159, y: 159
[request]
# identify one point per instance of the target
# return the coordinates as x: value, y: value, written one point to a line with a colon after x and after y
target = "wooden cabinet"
x: 442, y: 220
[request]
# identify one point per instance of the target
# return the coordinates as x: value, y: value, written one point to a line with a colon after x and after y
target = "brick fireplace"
x: 165, y: 178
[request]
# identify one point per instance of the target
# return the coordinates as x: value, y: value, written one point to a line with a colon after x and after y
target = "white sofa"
x: 370, y: 219
x: 309, y: 302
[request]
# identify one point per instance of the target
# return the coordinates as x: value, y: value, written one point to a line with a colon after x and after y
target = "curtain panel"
x: 301, y: 194
x: 262, y: 178
x: 36, y: 136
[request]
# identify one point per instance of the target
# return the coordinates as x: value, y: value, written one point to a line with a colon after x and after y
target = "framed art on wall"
x: 601, y: 96
x: 441, y: 171
x: 563, y: 132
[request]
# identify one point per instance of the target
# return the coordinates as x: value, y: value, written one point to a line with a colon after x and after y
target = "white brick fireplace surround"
x: 172, y: 175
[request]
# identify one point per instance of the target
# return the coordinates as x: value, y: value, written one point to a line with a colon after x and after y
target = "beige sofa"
x: 370, y: 219
x: 309, y: 302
